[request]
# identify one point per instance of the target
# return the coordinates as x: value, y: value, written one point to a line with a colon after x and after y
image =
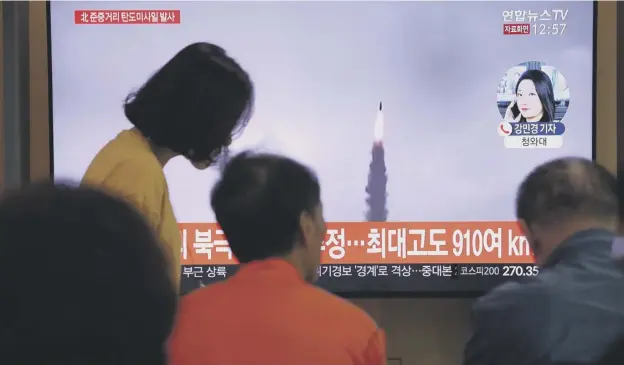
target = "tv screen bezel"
x: 358, y: 294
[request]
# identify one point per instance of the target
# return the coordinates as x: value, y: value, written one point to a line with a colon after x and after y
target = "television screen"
x: 420, y: 119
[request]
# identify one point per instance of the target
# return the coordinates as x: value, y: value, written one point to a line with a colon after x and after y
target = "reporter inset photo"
x: 533, y: 92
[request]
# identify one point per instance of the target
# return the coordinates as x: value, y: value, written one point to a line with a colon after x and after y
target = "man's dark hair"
x: 258, y: 203
x: 83, y: 280
x: 195, y: 103
x: 565, y: 188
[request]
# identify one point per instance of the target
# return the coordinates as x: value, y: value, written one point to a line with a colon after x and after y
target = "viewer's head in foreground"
x: 269, y: 206
x: 83, y: 280
x: 562, y: 197
x: 194, y: 105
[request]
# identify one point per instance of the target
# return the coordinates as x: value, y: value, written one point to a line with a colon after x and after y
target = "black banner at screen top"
x: 386, y: 278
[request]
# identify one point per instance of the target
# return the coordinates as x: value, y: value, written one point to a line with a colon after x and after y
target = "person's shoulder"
x: 357, y: 318
x: 517, y: 297
x: 362, y: 339
x: 125, y: 169
x: 213, y: 296
x: 137, y: 165
x: 129, y: 178
x: 125, y: 154
x: 199, y: 312
x: 143, y: 166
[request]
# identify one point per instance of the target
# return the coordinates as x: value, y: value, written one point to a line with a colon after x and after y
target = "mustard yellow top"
x: 126, y: 166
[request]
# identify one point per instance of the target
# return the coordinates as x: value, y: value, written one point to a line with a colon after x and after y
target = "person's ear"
x: 524, y: 227
x: 306, y: 227
x: 528, y: 234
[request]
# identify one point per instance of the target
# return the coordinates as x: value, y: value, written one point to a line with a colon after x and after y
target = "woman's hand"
x: 509, y: 114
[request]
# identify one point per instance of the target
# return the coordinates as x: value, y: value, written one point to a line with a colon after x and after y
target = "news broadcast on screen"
x: 390, y: 103
x: 533, y: 98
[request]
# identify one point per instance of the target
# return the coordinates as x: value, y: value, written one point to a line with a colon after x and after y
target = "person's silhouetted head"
x: 195, y: 104
x: 269, y: 206
x: 535, y: 97
x: 83, y: 279
x: 562, y: 197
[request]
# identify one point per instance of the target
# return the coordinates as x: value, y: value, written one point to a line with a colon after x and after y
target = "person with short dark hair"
x: 192, y: 107
x: 270, y: 209
x: 83, y: 280
x: 574, y: 308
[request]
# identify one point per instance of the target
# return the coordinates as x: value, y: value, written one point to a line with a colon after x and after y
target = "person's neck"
x: 296, y: 259
x: 551, y: 237
x: 536, y: 118
x: 163, y: 154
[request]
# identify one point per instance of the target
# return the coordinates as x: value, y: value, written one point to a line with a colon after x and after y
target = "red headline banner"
x: 127, y: 16
x: 383, y: 243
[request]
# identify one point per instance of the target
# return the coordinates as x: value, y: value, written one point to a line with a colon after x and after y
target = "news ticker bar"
x: 374, y: 277
x: 433, y: 243
x: 364, y: 270
x: 153, y: 16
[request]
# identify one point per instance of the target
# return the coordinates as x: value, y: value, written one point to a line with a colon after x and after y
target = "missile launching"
x: 379, y: 124
x: 377, y: 178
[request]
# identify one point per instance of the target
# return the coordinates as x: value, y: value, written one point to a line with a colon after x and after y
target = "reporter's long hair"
x: 545, y: 92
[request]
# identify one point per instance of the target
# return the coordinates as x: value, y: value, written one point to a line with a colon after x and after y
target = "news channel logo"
x: 532, y: 99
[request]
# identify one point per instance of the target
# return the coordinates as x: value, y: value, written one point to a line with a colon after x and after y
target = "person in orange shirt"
x: 270, y: 312
x: 191, y: 107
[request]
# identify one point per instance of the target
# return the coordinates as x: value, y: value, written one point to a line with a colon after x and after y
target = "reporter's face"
x: 528, y: 101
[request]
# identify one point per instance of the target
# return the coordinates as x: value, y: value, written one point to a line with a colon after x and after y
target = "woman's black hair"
x: 195, y: 104
x: 544, y: 89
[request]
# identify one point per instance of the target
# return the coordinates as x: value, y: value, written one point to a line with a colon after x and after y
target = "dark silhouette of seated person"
x: 83, y: 279
x: 573, y: 309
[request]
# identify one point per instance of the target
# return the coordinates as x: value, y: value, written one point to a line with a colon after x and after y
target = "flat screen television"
x: 416, y: 116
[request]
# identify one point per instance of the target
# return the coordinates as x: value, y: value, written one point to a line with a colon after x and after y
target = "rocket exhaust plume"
x: 377, y: 178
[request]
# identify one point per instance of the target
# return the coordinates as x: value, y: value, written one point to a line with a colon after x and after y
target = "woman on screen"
x: 535, y: 99
x: 192, y: 107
